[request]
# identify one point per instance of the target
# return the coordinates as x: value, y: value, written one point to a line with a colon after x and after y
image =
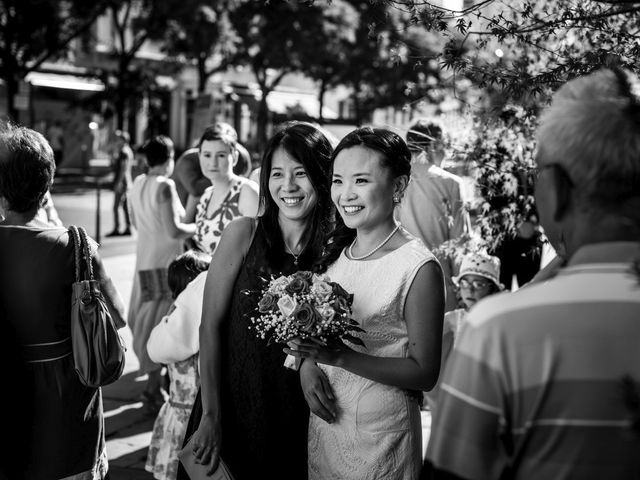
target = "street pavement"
x: 128, y: 428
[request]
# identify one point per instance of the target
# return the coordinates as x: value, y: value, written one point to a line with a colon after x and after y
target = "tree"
x: 529, y: 47
x: 135, y: 22
x: 201, y: 31
x: 334, y: 39
x: 34, y: 31
x: 387, y: 62
x: 274, y: 41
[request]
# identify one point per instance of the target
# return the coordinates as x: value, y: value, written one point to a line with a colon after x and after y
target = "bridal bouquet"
x: 305, y: 305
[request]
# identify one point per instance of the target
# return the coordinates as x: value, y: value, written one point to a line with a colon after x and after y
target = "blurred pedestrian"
x: 158, y: 217
x: 61, y: 417
x: 55, y: 135
x: 229, y: 196
x: 122, y: 163
x: 175, y: 343
x: 544, y: 381
x: 432, y: 206
x: 251, y: 412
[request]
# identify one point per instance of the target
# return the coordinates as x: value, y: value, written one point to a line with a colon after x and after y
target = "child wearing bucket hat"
x: 478, y: 278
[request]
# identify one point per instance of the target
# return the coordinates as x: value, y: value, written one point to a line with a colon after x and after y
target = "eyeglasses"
x: 475, y: 284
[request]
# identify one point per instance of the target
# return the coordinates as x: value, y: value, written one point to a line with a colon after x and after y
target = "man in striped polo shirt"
x: 541, y: 383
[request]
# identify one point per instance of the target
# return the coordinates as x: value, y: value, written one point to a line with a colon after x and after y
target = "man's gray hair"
x: 592, y: 129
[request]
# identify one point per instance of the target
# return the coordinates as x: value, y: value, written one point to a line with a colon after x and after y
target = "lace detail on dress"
x: 378, y: 432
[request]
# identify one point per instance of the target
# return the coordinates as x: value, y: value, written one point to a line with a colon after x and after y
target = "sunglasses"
x: 474, y: 284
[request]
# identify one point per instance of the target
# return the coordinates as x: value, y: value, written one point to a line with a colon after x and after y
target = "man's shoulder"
x: 519, y: 305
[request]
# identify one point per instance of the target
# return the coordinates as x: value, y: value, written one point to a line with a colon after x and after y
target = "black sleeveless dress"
x: 264, y: 414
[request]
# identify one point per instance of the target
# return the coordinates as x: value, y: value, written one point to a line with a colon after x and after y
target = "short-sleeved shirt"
x: 535, y: 386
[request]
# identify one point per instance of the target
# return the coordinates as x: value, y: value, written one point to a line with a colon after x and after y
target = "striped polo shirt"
x: 534, y: 388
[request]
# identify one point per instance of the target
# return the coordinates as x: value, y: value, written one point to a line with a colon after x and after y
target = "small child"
x: 175, y: 342
x: 479, y: 277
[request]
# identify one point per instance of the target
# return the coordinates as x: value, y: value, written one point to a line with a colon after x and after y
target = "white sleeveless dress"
x: 377, y: 434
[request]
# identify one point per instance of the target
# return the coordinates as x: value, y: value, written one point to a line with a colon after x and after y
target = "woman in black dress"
x: 252, y: 412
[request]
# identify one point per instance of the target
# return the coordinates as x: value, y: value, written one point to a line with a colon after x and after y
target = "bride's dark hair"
x: 306, y: 144
x: 395, y: 157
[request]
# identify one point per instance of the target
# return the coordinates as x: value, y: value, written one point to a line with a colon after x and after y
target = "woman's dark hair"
x: 26, y: 167
x: 158, y: 150
x: 184, y: 268
x: 306, y: 144
x: 395, y: 157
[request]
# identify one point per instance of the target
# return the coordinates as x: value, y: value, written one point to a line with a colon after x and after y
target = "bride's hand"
x: 317, y: 391
x: 318, y: 351
x: 206, y: 443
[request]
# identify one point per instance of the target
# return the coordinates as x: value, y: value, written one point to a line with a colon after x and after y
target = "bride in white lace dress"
x: 365, y: 401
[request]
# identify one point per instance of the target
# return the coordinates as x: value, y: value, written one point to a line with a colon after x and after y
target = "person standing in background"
x: 55, y: 135
x: 431, y: 208
x: 158, y: 217
x: 122, y: 163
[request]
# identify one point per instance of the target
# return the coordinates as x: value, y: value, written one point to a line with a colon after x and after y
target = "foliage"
x: 500, y: 154
x: 274, y: 40
x: 201, y: 31
x: 528, y: 47
x: 135, y: 22
x: 334, y: 41
x: 34, y: 31
x: 390, y: 62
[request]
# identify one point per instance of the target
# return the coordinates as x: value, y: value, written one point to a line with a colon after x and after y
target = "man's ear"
x: 562, y: 190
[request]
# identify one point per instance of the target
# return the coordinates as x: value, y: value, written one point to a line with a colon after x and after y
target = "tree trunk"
x: 323, y: 90
x: 356, y: 105
x: 202, y: 75
x: 11, y: 90
x: 120, y: 109
x: 263, y: 119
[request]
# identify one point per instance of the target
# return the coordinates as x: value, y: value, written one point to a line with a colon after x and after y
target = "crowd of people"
x: 534, y: 383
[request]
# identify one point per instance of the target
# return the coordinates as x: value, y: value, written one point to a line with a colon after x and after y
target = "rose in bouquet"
x: 305, y: 305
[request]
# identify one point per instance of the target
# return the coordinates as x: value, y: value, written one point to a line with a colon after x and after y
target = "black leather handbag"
x: 98, y: 349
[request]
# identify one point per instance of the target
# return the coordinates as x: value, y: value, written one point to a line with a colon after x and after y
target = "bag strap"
x: 81, y: 249
x: 84, y: 238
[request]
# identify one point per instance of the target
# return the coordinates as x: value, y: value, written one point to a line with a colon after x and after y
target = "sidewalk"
x: 128, y: 428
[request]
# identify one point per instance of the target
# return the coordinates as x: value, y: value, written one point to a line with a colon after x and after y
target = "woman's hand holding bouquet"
x: 310, y: 313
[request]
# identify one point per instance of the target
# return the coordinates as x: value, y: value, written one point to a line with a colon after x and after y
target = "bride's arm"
x: 423, y: 313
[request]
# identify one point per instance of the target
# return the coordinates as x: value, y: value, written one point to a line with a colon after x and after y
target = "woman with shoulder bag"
x: 61, y: 430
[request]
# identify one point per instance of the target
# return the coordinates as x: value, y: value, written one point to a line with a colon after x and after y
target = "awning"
x: 68, y: 82
x: 281, y: 102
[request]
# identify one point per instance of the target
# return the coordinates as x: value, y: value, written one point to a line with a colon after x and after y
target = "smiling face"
x: 290, y: 187
x: 362, y: 188
x: 216, y: 159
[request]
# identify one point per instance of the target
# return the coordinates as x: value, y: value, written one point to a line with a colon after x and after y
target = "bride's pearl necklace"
x: 378, y: 247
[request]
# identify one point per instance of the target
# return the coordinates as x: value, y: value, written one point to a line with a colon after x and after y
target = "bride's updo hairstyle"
x: 395, y: 157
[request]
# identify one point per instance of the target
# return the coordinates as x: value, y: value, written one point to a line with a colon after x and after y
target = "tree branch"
x: 64, y: 42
